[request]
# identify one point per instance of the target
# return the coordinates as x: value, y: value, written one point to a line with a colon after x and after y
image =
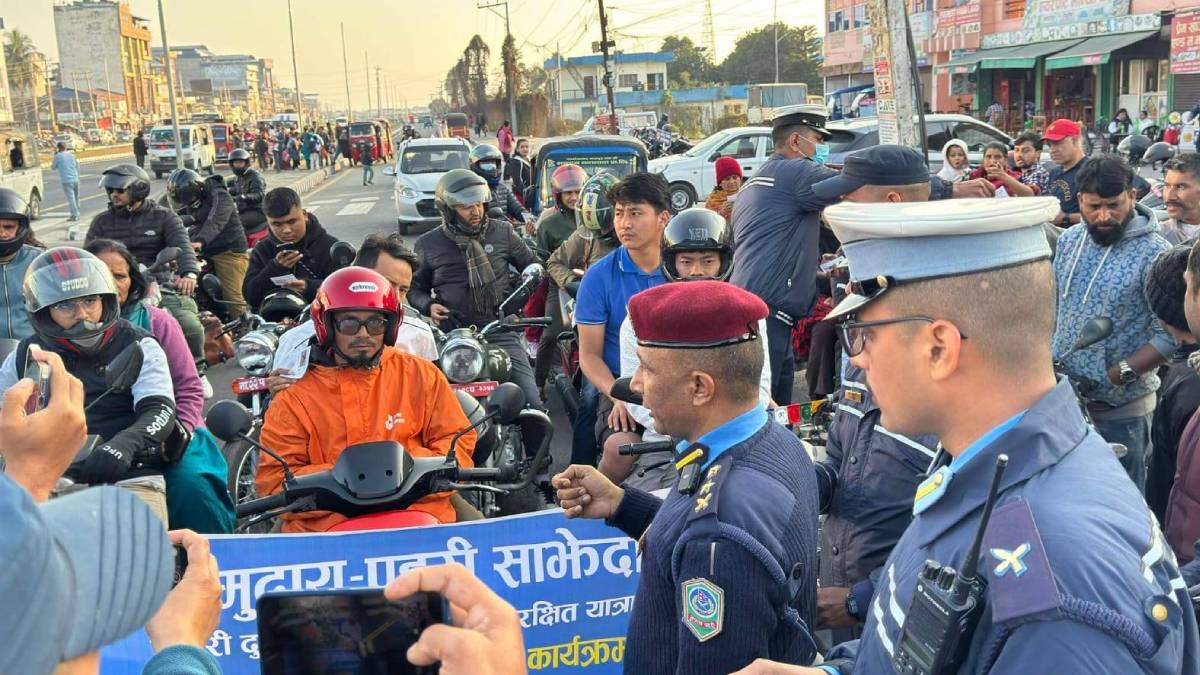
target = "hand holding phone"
x: 39, y: 373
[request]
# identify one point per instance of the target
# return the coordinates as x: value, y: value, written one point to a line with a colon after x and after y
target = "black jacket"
x: 248, y: 190
x: 146, y: 231
x: 313, y: 267
x: 443, y: 272
x: 521, y: 174
x: 1178, y: 399
x: 503, y: 199
x: 139, y: 146
x: 215, y: 224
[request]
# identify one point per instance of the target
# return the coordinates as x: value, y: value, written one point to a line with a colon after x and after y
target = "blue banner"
x: 571, y: 580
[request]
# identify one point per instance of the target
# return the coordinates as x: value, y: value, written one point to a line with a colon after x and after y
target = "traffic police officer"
x: 951, y: 320
x: 729, y: 558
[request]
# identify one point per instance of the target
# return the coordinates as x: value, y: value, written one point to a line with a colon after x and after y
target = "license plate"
x: 476, y: 389
x: 249, y: 385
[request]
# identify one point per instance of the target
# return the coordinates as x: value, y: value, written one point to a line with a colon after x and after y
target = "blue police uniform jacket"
x: 866, y: 483
x: 728, y: 573
x: 1079, y: 577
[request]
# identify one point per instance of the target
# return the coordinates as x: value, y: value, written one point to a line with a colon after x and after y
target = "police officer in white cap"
x: 776, y: 225
x: 950, y: 316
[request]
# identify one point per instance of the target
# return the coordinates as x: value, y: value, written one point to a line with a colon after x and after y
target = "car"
x: 73, y: 141
x: 692, y: 175
x: 421, y: 163
x: 627, y: 122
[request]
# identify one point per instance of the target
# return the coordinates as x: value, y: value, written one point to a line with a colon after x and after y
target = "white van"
x: 199, y: 151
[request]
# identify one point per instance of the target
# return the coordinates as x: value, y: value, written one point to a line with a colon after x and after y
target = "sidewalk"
x: 58, y: 231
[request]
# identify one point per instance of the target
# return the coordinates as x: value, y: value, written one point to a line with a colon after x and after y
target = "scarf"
x: 481, y: 277
x: 137, y: 314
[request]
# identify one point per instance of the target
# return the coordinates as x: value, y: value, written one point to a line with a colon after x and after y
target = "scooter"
x: 375, y: 484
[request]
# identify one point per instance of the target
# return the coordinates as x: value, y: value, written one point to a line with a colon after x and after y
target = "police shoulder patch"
x: 1020, y: 581
x: 703, y: 608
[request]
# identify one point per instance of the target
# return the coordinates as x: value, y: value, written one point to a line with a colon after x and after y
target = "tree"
x: 753, y: 57
x: 692, y: 64
x: 466, y: 83
x: 22, y: 57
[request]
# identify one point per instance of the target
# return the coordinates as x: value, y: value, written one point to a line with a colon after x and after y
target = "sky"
x: 416, y: 43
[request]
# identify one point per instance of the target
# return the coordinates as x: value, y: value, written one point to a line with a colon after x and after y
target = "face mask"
x: 820, y: 153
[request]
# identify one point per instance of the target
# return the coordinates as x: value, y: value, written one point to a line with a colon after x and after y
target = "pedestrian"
x: 931, y: 324
x: 262, y: 151
x: 504, y: 138
x: 956, y: 167
x: 471, y: 123
x: 1119, y: 127
x: 995, y: 170
x: 1027, y: 154
x: 139, y: 148
x: 1144, y: 123
x: 281, y: 149
x: 995, y: 114
x: 729, y: 181
x: 344, y: 144
x: 1099, y: 269
x: 294, y: 150
x: 1067, y: 153
x: 744, y: 480
x: 366, y: 154
x: 68, y: 176
x: 1181, y: 196
x: 1179, y: 394
x: 519, y: 171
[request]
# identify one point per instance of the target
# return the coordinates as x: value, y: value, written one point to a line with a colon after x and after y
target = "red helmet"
x: 355, y: 288
x: 567, y: 178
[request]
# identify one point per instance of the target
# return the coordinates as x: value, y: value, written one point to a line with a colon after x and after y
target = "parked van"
x: 199, y: 151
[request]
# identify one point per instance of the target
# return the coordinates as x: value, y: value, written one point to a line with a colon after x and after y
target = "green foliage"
x: 730, y: 121
x: 753, y: 57
x: 693, y: 64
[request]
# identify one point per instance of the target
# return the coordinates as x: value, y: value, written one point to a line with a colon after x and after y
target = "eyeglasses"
x: 113, y: 190
x: 70, y: 307
x: 349, y: 325
x: 854, y: 334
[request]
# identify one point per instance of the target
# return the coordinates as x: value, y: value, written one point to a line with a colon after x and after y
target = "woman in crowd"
x: 729, y: 181
x: 995, y: 170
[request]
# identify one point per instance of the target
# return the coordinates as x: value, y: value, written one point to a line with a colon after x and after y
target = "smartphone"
x: 40, y: 374
x: 285, y: 247
x: 344, y: 631
x: 181, y: 563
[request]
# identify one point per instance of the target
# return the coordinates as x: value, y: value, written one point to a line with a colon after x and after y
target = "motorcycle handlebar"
x: 262, y: 505
x: 481, y: 474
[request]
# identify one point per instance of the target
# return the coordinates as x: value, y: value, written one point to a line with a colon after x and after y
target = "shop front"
x: 1123, y: 71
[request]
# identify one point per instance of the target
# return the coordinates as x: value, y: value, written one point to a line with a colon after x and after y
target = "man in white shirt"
x: 387, y: 255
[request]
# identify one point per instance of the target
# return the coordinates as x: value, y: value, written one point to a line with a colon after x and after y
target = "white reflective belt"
x: 853, y: 411
x: 907, y: 441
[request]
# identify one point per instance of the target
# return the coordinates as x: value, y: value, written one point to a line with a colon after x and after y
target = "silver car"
x: 420, y: 164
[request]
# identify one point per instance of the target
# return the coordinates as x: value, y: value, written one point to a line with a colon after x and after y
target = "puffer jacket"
x: 312, y: 268
x: 503, y: 199
x: 145, y: 232
x: 15, y: 323
x: 215, y: 224
x: 1182, y: 526
x: 248, y: 190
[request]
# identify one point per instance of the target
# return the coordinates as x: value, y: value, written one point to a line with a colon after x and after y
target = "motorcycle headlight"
x: 255, y: 351
x: 462, y: 359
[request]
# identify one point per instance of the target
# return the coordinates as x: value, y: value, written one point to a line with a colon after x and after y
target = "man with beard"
x: 359, y: 388
x: 1181, y: 194
x: 1101, y: 269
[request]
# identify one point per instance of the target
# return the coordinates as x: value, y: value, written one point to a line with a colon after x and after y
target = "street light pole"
x: 346, y: 72
x: 775, y: 23
x: 162, y: 25
x: 295, y: 71
x: 508, y: 76
x: 50, y: 95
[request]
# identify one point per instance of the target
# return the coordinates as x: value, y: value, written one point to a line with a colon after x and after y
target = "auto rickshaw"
x: 456, y: 125
x: 619, y: 155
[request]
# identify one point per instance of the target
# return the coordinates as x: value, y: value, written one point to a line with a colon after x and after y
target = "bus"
x: 765, y: 98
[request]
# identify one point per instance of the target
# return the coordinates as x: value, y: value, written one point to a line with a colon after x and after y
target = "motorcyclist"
x: 247, y: 190
x: 487, y: 162
x: 359, y: 388
x: 73, y: 301
x: 210, y: 214
x: 18, y: 248
x: 146, y: 227
x: 554, y: 227
x: 297, y: 246
x: 464, y: 272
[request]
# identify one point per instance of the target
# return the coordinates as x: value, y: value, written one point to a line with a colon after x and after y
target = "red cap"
x: 1060, y: 129
x: 695, y: 315
x: 726, y: 167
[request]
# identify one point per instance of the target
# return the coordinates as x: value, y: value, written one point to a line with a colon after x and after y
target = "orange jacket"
x: 405, y: 399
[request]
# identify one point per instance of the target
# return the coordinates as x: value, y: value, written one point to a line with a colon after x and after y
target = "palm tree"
x: 22, y: 56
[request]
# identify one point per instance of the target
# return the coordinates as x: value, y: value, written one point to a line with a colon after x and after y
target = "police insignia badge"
x: 703, y: 608
x: 1011, y: 561
x: 853, y: 396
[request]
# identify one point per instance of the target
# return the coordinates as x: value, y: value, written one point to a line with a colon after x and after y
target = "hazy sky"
x: 415, y: 43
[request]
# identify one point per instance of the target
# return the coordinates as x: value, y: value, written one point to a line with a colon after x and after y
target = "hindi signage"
x: 1185, y: 44
x: 1132, y: 23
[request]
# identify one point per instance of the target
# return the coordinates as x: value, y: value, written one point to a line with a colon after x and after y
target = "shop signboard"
x: 1046, y: 13
x: 955, y: 27
x: 1132, y: 23
x: 1185, y: 44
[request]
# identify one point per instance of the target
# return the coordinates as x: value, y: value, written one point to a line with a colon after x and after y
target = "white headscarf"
x: 948, y: 172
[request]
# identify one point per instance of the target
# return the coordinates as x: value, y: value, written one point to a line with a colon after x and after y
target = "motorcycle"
x: 375, y: 484
x: 662, y: 142
x: 1094, y: 332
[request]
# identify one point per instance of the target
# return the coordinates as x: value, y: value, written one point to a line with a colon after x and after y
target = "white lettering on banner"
x: 250, y: 646
x: 547, y: 614
x: 239, y: 591
x: 620, y: 557
x: 218, y: 644
x: 598, y: 609
x: 381, y: 571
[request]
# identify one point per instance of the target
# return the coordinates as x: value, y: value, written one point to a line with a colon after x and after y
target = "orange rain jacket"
x: 405, y: 399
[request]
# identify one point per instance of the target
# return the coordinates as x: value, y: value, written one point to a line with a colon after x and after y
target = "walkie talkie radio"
x: 946, y: 606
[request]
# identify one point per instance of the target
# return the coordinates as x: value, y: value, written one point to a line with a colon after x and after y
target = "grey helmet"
x: 460, y: 187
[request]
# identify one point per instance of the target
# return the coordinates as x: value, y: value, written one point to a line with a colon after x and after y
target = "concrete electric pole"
x: 614, y: 125
x: 896, y: 84
x: 162, y: 25
x: 508, y: 76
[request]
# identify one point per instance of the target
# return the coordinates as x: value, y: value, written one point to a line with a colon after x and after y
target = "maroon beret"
x: 695, y: 315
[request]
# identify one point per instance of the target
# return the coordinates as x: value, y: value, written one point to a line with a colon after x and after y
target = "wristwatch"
x: 851, y: 604
x: 1128, y: 374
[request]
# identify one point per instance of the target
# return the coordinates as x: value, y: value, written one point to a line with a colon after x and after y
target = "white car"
x: 421, y: 163
x: 692, y: 175
x: 73, y: 142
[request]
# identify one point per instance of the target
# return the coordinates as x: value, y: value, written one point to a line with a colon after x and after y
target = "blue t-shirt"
x: 604, y: 293
x: 1062, y: 185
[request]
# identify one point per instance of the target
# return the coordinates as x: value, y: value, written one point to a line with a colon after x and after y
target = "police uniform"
x: 729, y: 558
x: 1079, y: 579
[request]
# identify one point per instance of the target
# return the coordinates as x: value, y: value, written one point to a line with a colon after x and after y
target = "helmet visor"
x: 54, y: 282
x: 468, y: 195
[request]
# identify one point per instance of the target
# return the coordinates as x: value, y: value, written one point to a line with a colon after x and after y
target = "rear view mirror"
x: 228, y: 420
x: 165, y: 256
x: 212, y: 286
x: 124, y: 369
x: 389, y: 170
x: 506, y: 402
x: 622, y: 391
x: 342, y: 254
x: 1094, y: 331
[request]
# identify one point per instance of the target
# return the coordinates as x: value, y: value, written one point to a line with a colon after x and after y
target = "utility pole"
x: 378, y: 94
x: 50, y: 95
x: 295, y: 71
x: 508, y: 76
x: 558, y: 85
x: 346, y: 72
x: 614, y: 126
x: 897, y: 106
x: 775, y: 22
x: 92, y: 99
x: 367, y: 62
x: 108, y: 88
x: 162, y: 25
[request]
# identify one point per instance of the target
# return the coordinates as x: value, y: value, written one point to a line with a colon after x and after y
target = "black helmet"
x: 68, y: 273
x: 594, y: 211
x: 1159, y: 152
x: 15, y: 208
x: 280, y: 304
x: 459, y: 187
x: 239, y: 155
x: 697, y: 229
x: 184, y: 187
x: 127, y: 177
x: 487, y: 161
x: 1133, y: 148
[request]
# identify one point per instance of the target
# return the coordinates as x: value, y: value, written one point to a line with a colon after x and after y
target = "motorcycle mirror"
x: 168, y: 254
x: 623, y: 392
x: 505, y: 403
x: 124, y: 369
x: 1093, y: 331
x: 212, y: 286
x: 342, y: 254
x: 229, y: 420
x: 389, y: 170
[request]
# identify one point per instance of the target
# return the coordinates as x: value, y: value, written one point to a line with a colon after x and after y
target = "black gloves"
x: 106, y: 465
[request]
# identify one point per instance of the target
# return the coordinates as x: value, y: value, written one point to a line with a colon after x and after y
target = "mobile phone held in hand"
x: 40, y: 374
x: 181, y: 563
x: 344, y: 631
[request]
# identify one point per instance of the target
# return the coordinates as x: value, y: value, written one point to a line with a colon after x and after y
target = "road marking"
x: 356, y: 209
x: 364, y: 199
x: 313, y: 207
x: 322, y: 201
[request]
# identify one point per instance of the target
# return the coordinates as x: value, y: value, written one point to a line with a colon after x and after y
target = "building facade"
x: 580, y: 79
x: 103, y: 45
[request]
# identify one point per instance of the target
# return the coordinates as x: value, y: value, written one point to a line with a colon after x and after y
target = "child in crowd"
x: 995, y: 170
x: 1027, y: 154
x: 955, y: 167
x: 729, y: 181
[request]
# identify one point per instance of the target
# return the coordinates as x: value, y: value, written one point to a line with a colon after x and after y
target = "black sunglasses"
x: 349, y: 325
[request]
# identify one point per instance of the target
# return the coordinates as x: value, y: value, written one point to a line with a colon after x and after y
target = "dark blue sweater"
x: 755, y: 540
